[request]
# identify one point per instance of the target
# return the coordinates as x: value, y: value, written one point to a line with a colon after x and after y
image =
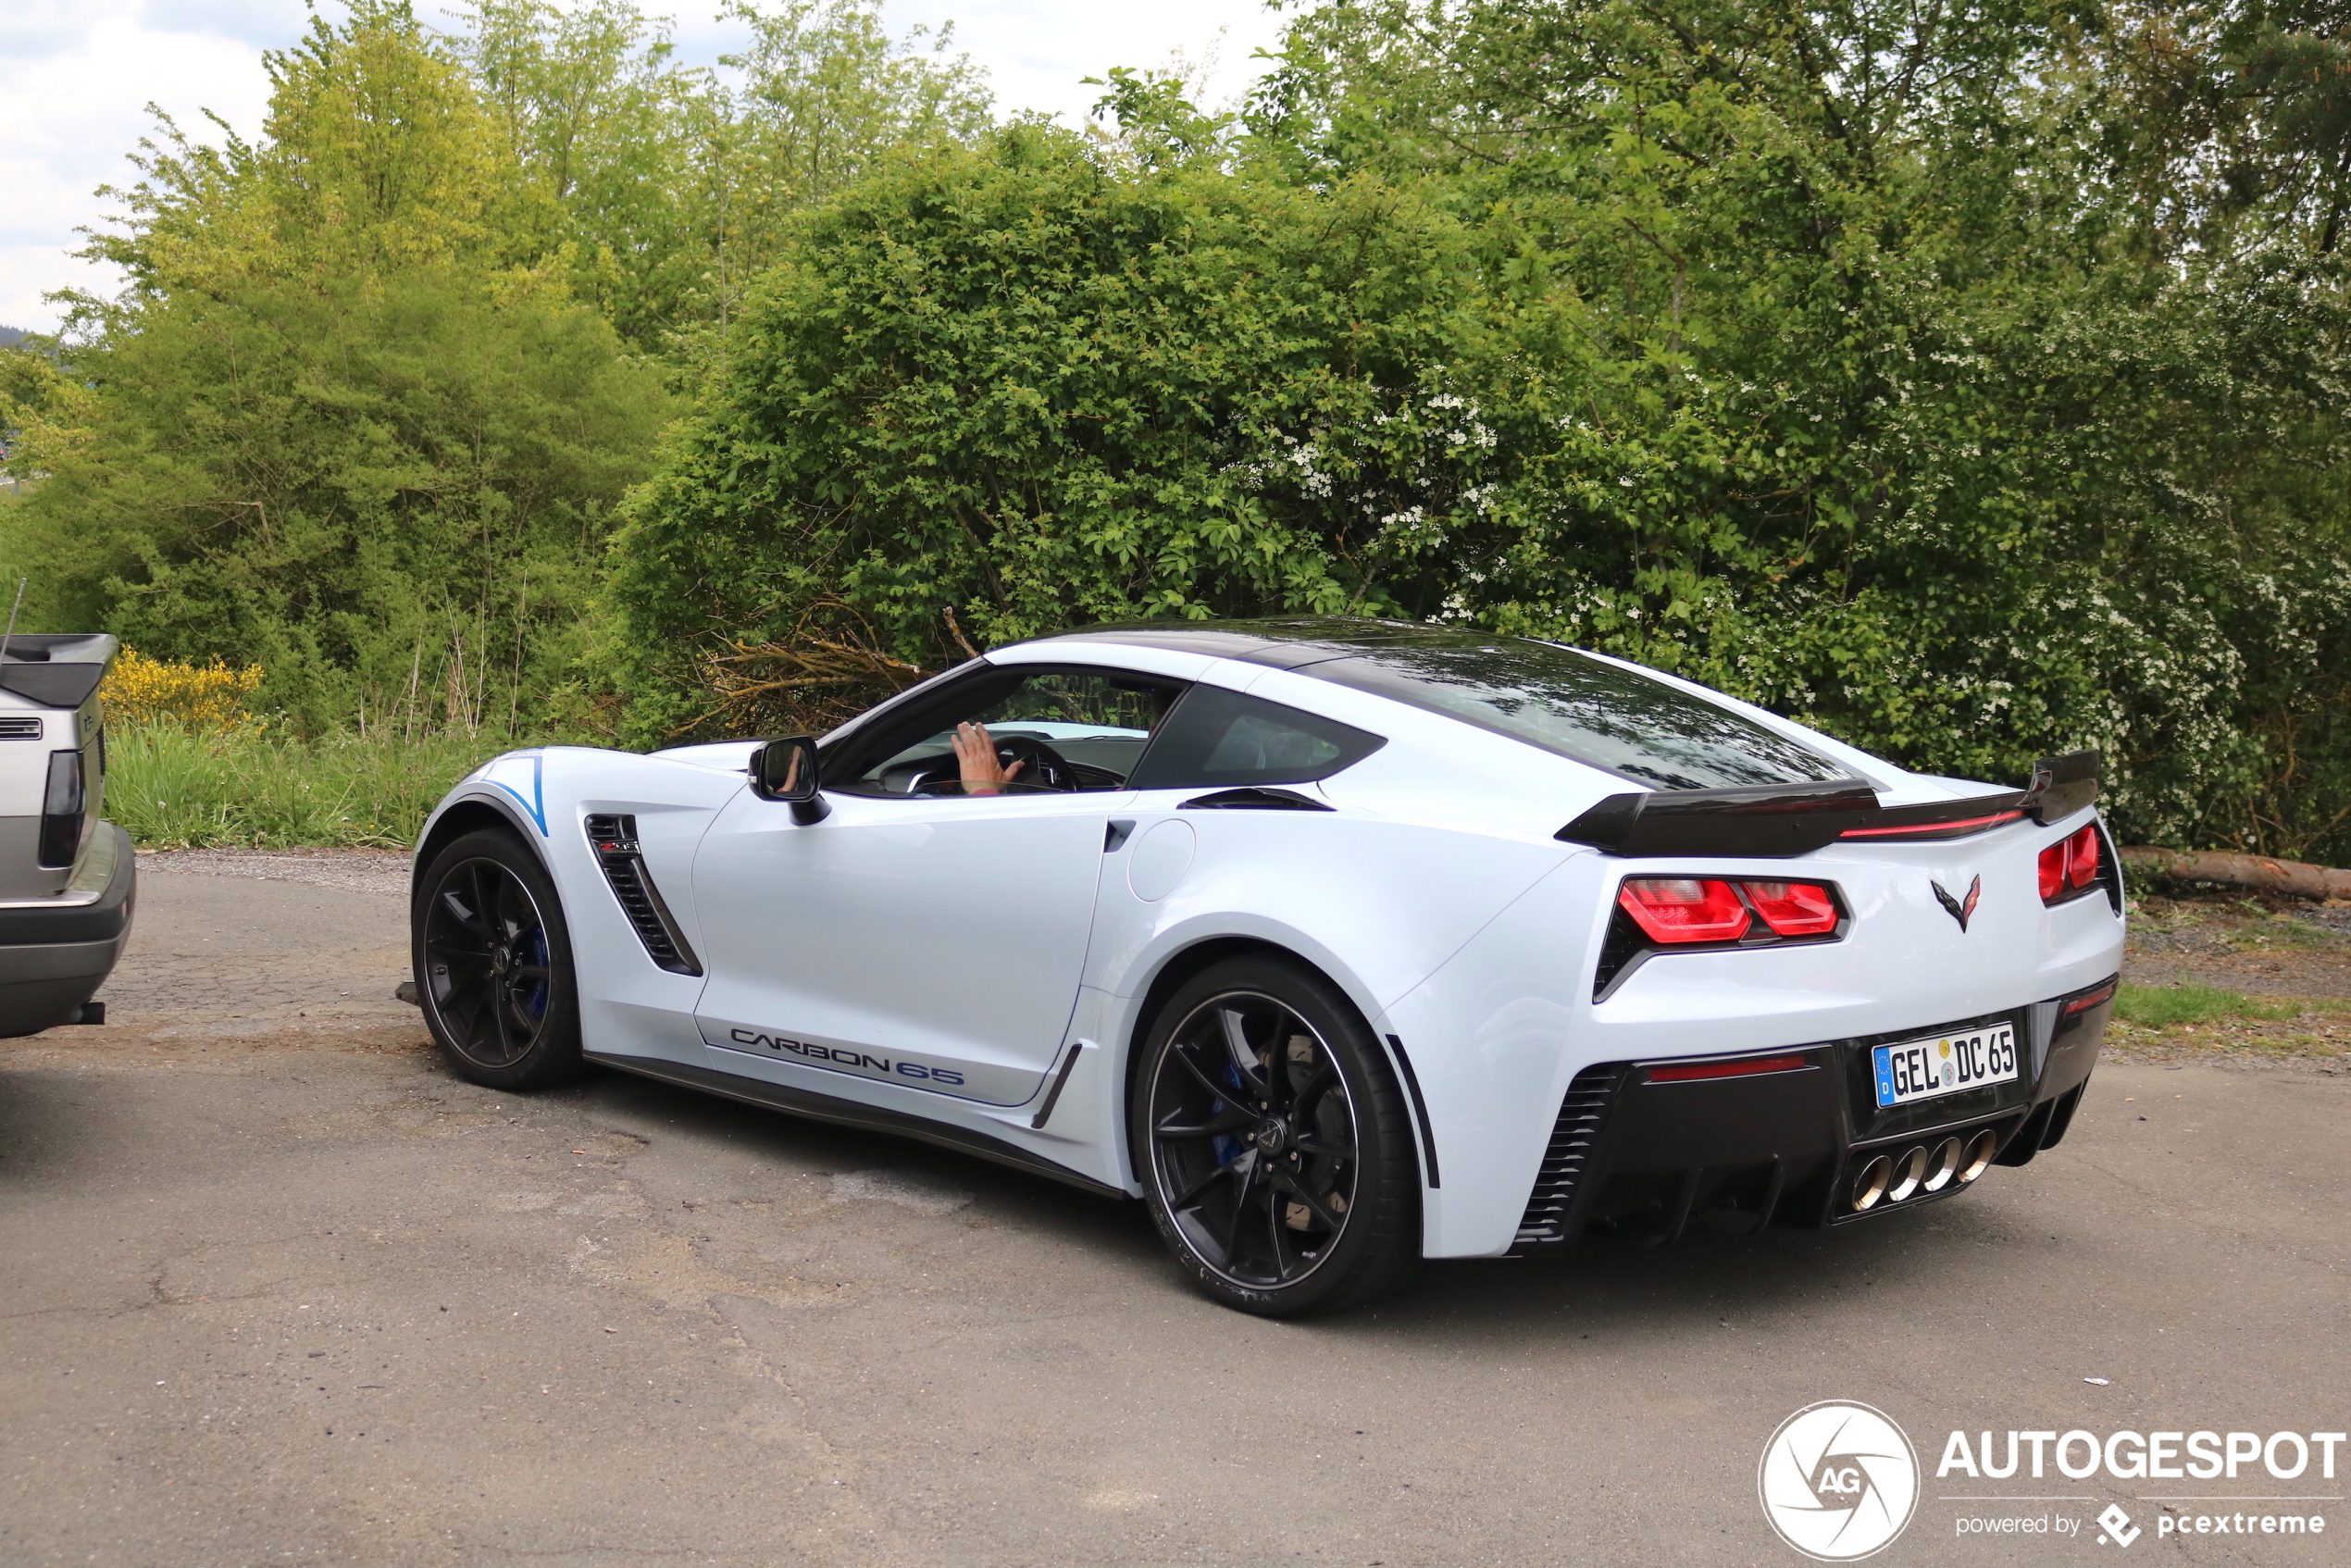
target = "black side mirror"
x: 786, y: 770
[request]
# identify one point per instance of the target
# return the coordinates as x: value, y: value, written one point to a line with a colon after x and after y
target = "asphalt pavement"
x: 277, y: 1289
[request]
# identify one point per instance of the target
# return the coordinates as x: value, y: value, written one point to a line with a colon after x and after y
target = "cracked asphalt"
x: 278, y: 1289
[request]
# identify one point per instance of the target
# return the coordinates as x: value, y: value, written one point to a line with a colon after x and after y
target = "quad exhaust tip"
x: 1980, y: 1151
x: 1909, y: 1171
x: 1952, y: 1163
x: 1943, y: 1166
x: 1870, y: 1185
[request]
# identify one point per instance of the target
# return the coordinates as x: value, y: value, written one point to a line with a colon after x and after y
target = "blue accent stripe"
x: 536, y: 805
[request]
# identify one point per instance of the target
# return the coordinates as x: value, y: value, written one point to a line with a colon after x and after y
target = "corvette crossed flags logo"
x: 1961, y: 910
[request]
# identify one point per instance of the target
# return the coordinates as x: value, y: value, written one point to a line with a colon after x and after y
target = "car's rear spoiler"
x: 1778, y: 821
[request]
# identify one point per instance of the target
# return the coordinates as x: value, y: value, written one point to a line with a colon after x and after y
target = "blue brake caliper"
x: 537, y: 1006
x: 1228, y: 1148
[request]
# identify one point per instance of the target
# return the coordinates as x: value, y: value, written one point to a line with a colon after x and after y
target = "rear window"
x: 1585, y: 708
x: 1216, y: 737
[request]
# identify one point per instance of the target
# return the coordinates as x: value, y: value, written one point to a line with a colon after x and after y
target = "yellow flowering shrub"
x: 211, y: 697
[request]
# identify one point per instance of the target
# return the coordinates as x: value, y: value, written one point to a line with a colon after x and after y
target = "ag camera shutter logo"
x: 1839, y: 1481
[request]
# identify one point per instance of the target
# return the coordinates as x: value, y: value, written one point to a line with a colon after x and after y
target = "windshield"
x: 1581, y: 707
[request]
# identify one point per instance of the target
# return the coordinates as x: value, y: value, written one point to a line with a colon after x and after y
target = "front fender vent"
x: 1549, y: 1221
x: 615, y: 841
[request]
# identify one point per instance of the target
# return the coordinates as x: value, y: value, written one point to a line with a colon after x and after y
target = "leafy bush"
x: 1951, y: 406
x: 1705, y: 345
x: 989, y: 393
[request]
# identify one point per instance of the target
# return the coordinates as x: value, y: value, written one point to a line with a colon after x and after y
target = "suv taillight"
x: 61, y: 810
x: 2070, y: 867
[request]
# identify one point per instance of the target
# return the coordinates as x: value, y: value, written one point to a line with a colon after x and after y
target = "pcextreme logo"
x: 1839, y: 1481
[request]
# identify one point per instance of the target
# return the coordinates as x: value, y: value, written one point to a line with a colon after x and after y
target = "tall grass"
x: 174, y: 789
x: 2160, y: 1007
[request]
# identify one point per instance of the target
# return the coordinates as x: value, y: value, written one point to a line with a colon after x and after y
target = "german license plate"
x: 1926, y: 1069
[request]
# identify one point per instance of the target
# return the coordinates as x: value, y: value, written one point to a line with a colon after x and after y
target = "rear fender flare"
x: 1135, y: 1015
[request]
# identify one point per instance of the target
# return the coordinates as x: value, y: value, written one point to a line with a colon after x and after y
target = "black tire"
x: 1284, y: 1189
x: 492, y: 960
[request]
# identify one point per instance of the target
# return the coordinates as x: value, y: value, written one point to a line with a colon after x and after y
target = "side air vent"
x: 20, y: 727
x: 615, y: 841
x: 1573, y: 1138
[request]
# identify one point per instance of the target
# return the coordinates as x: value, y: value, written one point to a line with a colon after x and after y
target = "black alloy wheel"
x: 1276, y: 1153
x: 492, y: 961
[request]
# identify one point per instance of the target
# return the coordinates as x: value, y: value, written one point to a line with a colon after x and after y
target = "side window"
x: 1216, y: 737
x: 1074, y: 704
x: 1069, y: 729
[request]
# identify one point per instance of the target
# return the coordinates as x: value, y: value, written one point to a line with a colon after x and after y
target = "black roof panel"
x: 1624, y: 721
x: 1284, y: 642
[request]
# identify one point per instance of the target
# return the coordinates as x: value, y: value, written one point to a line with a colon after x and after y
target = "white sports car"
x: 1341, y: 944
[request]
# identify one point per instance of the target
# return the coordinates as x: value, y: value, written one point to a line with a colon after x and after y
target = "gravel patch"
x: 357, y: 871
x: 2334, y: 917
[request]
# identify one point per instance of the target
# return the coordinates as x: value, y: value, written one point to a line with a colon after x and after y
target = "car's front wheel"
x: 493, y: 959
x: 1274, y: 1148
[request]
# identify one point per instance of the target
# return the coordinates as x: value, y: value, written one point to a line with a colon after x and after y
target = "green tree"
x: 596, y: 118
x: 824, y: 93
x: 332, y: 427
x: 41, y: 406
x: 666, y: 191
x: 389, y: 492
x: 374, y: 153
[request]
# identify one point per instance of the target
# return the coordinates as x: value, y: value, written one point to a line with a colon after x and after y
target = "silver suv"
x: 66, y: 874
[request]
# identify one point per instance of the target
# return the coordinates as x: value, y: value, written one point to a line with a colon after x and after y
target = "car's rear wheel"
x: 1275, y: 1152
x: 492, y: 958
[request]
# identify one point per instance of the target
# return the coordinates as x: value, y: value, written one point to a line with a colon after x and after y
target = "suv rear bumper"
x: 56, y: 953
x: 1630, y: 1156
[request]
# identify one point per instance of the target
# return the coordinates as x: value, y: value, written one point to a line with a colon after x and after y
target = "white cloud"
x: 1039, y: 53
x: 77, y: 76
x: 74, y: 86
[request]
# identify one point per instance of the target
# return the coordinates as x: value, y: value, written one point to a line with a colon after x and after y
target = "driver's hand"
x: 984, y: 772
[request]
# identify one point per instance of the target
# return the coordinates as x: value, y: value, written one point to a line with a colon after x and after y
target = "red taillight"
x: 1682, y: 909
x: 2069, y: 864
x: 2082, y: 858
x: 1794, y: 909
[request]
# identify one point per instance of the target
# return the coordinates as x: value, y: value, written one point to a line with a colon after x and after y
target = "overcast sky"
x: 76, y: 77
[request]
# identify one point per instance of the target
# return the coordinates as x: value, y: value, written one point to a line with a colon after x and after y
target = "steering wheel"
x: 1042, y: 767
